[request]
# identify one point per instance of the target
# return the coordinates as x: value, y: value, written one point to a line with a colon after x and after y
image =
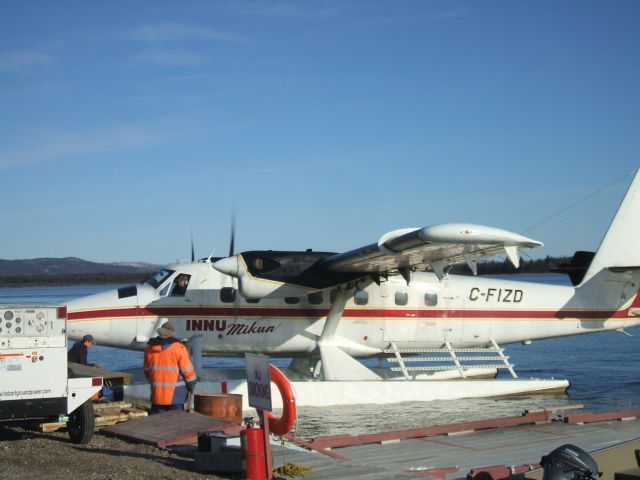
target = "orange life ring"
x: 284, y: 424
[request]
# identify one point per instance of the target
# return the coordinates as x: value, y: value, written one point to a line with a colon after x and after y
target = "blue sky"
x: 124, y: 126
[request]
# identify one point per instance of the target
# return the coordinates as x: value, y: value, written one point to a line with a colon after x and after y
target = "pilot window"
x: 361, y: 297
x: 228, y: 294
x: 315, y: 298
x: 165, y: 290
x: 431, y: 299
x: 159, y: 277
x: 180, y: 285
x: 402, y: 298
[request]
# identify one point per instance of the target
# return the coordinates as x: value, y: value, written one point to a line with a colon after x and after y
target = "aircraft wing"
x: 269, y: 273
x: 436, y: 246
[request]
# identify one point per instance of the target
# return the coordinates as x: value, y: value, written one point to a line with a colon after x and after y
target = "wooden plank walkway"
x: 171, y: 428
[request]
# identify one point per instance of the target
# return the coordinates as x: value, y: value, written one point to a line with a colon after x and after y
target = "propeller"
x: 193, y: 252
x: 230, y: 265
x: 233, y: 233
x: 234, y: 261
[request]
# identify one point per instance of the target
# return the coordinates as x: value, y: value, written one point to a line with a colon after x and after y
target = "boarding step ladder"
x: 492, y: 353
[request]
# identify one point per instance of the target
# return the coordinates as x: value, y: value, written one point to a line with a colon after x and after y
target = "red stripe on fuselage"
x: 317, y: 313
x: 636, y: 301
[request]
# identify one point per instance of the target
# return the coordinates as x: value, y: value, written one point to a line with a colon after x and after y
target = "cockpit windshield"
x: 159, y: 277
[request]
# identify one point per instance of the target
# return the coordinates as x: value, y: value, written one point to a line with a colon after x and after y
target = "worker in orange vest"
x: 166, y: 360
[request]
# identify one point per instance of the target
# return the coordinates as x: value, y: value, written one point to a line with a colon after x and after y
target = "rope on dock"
x: 289, y: 469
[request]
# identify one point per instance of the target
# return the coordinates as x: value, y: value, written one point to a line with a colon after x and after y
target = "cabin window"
x: 315, y: 298
x: 159, y: 277
x: 292, y: 300
x: 126, y: 292
x: 228, y: 294
x: 361, y: 297
x: 431, y: 299
x: 180, y: 285
x: 252, y: 300
x: 402, y: 298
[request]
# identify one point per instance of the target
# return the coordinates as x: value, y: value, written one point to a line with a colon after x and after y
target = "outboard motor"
x: 569, y: 462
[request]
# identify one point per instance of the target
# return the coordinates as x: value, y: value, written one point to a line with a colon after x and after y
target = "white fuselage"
x: 463, y: 311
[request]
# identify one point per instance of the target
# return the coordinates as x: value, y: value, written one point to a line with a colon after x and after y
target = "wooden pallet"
x: 108, y: 413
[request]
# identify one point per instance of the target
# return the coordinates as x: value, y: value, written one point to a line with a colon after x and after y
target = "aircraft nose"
x: 229, y: 265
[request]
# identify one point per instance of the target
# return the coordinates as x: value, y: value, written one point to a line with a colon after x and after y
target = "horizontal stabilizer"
x: 577, y: 267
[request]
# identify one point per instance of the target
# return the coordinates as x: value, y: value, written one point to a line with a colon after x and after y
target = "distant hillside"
x: 70, y: 270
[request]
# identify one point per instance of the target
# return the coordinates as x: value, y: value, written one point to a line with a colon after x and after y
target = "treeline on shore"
x: 495, y: 267
x: 74, y: 279
x: 540, y: 265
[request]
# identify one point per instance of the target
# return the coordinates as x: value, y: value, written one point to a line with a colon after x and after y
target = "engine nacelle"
x: 269, y: 274
x: 255, y: 288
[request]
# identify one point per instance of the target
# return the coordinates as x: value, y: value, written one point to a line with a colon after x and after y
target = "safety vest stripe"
x: 167, y: 384
x: 190, y: 379
x: 159, y: 367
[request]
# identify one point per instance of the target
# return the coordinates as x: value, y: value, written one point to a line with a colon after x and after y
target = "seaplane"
x: 386, y: 300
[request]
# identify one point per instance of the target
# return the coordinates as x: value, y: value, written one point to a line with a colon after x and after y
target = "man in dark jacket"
x: 78, y: 353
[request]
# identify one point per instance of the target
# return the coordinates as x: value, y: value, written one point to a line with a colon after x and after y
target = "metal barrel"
x: 219, y: 405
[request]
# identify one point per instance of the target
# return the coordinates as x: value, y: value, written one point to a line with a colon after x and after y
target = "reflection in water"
x: 361, y: 419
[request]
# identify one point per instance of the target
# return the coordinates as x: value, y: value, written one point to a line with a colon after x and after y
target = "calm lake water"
x: 602, y: 368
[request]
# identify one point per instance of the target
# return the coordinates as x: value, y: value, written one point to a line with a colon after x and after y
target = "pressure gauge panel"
x: 30, y: 326
x: 11, y: 323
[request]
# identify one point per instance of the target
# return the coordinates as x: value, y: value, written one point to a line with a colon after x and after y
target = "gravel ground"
x: 27, y: 453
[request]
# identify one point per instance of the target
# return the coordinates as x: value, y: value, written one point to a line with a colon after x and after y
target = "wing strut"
x: 336, y: 363
x: 335, y: 313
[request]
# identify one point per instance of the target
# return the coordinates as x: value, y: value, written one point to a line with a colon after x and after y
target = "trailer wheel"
x: 81, y: 423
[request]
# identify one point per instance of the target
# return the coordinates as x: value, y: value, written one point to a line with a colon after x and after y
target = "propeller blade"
x: 193, y: 252
x: 233, y: 234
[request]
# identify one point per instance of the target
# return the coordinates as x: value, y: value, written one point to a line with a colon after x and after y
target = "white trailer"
x: 34, y: 378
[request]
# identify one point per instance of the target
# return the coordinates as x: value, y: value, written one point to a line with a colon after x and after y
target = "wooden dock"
x: 485, y: 449
x: 453, y: 451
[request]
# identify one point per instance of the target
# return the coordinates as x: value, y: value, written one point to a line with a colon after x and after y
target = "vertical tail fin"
x: 621, y: 244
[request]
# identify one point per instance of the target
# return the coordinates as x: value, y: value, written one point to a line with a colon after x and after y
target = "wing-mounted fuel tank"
x: 278, y: 274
